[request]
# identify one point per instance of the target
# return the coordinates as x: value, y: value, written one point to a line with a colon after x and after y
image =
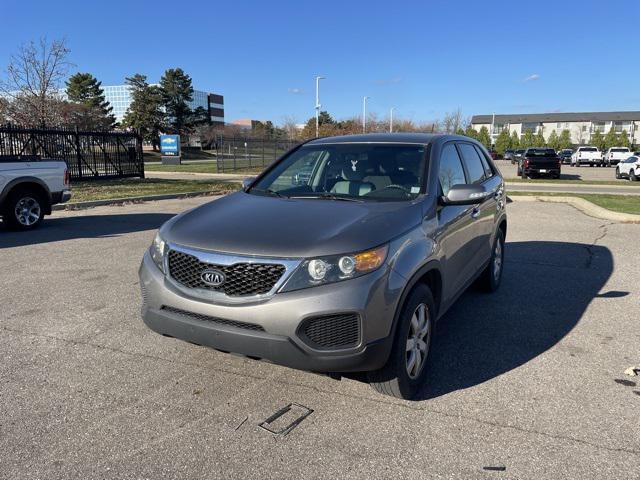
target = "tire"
x: 618, y: 176
x: 394, y: 378
x: 489, y: 280
x: 632, y: 176
x: 24, y: 209
x: 523, y: 174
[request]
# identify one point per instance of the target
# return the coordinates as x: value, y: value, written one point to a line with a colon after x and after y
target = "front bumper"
x: 279, y: 318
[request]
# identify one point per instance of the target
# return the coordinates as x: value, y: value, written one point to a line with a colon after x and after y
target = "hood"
x: 246, y: 224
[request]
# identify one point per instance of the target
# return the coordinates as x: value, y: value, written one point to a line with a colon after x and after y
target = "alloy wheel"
x: 27, y: 211
x: 418, y: 341
x: 497, y: 261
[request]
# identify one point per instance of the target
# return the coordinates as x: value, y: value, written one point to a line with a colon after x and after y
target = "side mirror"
x: 246, y: 183
x: 464, y: 195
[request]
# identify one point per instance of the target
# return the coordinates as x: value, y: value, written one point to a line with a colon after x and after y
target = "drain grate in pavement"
x: 286, y: 419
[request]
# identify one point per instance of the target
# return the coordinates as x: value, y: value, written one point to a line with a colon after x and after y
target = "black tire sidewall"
x: 9, y: 213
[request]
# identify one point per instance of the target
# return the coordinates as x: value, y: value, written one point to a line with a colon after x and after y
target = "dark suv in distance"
x: 540, y: 162
x: 340, y: 257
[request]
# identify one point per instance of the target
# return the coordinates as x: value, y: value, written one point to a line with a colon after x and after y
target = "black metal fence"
x: 246, y: 153
x: 89, y: 155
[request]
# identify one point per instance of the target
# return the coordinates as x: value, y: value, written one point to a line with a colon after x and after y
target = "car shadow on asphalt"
x: 55, y: 229
x: 545, y: 291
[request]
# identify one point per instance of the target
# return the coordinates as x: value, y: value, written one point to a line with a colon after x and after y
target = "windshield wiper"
x: 330, y: 196
x: 269, y: 191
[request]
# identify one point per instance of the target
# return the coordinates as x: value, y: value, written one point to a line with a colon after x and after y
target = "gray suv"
x: 340, y: 257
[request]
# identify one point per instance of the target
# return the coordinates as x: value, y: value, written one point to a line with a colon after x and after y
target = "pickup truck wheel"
x: 24, y: 210
x: 406, y: 368
x: 618, y: 176
x: 632, y: 176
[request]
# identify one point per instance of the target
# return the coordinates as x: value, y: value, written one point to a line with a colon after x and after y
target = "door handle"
x: 475, y: 213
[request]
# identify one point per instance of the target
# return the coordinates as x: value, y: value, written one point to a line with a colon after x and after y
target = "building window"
x: 498, y: 127
x: 529, y: 127
x: 599, y: 127
x: 620, y: 126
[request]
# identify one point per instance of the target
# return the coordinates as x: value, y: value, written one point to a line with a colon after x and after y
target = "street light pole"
x: 391, y: 120
x: 364, y: 114
x: 318, y: 104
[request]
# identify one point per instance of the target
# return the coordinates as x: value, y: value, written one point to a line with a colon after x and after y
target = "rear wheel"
x: 24, y: 210
x: 618, y: 176
x: 406, y: 368
x: 632, y: 176
x: 490, y: 279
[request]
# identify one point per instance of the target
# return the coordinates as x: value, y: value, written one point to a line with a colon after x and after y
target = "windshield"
x: 588, y: 149
x: 353, y: 171
x: 519, y: 151
x: 541, y: 152
x: 620, y: 150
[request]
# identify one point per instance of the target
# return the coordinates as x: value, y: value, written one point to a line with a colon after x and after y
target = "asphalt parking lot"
x: 525, y: 383
x: 585, y: 172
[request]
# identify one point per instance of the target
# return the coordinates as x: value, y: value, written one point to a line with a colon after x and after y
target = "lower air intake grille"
x: 219, y: 321
x: 332, y: 332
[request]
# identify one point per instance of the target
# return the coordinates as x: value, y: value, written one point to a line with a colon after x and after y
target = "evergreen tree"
x: 554, y: 141
x: 460, y: 131
x: 565, y: 139
x: 610, y: 139
x: 96, y: 113
x: 177, y: 92
x: 539, y: 140
x: 503, y: 141
x: 597, y: 140
x: 623, y: 141
x: 484, y: 138
x: 145, y: 111
x: 528, y: 140
x: 471, y: 132
x: 515, y: 141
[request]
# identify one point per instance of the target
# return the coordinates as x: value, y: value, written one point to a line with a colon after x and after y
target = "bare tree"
x: 33, y: 83
x: 290, y: 126
x: 452, y: 121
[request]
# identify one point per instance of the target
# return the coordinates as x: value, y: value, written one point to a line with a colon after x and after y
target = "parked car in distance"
x: 517, y: 155
x: 540, y: 162
x: 508, y: 154
x: 565, y: 155
x: 629, y: 168
x: 347, y: 272
x: 29, y: 187
x: 615, y: 155
x: 494, y: 155
x: 586, y: 156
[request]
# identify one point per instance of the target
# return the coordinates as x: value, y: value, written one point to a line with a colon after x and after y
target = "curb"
x: 123, y: 201
x: 571, y: 185
x: 585, y: 206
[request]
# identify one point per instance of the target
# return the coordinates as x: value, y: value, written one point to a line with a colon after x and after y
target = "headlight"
x: 156, y: 250
x: 335, y: 268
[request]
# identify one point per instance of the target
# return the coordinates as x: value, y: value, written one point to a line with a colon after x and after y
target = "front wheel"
x: 24, y: 210
x: 406, y: 369
x: 632, y: 176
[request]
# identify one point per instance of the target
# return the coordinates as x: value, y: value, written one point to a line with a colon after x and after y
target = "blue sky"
x: 422, y: 57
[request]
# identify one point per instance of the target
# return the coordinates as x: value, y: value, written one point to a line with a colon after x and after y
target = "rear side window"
x: 451, y: 172
x: 488, y: 173
x: 473, y: 163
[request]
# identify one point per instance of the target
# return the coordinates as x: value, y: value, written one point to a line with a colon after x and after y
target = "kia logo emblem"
x: 215, y: 278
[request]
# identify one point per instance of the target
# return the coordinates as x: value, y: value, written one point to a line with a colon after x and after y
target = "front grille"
x: 330, y: 332
x: 219, y: 321
x: 241, y: 279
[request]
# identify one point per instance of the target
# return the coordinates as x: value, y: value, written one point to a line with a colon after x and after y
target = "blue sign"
x: 170, y: 145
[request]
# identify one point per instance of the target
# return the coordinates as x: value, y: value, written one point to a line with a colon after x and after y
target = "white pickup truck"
x: 586, y: 155
x: 29, y: 187
x: 615, y: 155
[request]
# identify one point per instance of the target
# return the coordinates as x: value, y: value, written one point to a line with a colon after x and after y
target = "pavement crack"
x: 590, y: 248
